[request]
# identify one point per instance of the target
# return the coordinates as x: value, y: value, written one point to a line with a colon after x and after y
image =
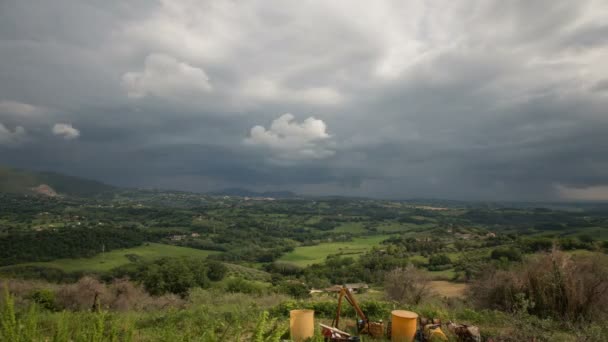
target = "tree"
x: 407, y: 285
x: 294, y: 289
x: 439, y: 259
x: 511, y: 254
x: 216, y: 271
x: 175, y: 275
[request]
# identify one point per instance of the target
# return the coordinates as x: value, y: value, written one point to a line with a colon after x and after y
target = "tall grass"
x: 213, y: 316
x: 33, y: 324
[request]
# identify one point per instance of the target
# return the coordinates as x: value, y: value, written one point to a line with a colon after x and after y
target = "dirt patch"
x: 44, y: 189
x: 448, y: 288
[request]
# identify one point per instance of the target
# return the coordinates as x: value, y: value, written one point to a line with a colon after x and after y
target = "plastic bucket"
x: 403, y: 325
x: 301, y: 324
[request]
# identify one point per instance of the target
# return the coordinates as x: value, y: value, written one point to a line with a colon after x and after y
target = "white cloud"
x: 8, y: 137
x: 589, y: 193
x: 290, y: 140
x: 66, y: 131
x: 165, y: 76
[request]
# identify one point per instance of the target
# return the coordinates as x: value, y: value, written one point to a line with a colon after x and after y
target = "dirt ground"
x: 448, y: 289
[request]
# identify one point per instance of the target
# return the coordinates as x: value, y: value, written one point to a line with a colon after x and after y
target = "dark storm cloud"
x: 472, y: 99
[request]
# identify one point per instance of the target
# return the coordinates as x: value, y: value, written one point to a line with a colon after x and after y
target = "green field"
x: 308, y: 255
x: 107, y: 261
x: 350, y: 227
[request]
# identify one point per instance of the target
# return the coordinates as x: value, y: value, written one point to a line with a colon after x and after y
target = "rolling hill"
x: 51, y: 184
x: 239, y: 192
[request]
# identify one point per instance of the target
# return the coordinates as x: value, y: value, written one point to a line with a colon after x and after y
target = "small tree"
x: 407, y: 285
x: 439, y: 259
x: 216, y: 271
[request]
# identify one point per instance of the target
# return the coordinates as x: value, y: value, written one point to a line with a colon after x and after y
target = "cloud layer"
x: 475, y: 99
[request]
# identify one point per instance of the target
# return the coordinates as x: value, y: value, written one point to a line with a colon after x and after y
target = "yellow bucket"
x: 403, y: 327
x: 301, y: 324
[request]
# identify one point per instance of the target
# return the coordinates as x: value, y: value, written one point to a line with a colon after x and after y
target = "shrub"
x: 407, y: 285
x: 124, y: 295
x: 294, y: 289
x: 45, y: 299
x: 439, y: 259
x: 243, y: 286
x: 551, y: 285
x: 284, y: 268
x: 81, y: 295
x: 216, y: 270
x: 511, y: 254
x: 174, y: 275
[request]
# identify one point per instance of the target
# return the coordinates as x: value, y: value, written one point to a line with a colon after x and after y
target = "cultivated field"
x: 308, y: 255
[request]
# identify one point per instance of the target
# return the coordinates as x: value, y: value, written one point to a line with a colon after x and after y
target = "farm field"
x: 110, y: 260
x: 394, y: 227
x: 308, y: 255
x: 448, y: 289
x: 350, y: 227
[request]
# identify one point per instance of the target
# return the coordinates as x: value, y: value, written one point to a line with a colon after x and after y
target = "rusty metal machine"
x: 429, y: 329
x: 364, y: 326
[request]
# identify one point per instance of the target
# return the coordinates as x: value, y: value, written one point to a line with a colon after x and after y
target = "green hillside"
x: 106, y: 261
x: 21, y: 182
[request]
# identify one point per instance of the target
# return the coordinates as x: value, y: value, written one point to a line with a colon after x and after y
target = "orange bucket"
x: 403, y: 327
x: 301, y: 324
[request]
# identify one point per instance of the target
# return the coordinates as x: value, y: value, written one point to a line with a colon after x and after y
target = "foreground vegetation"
x: 155, y: 266
x: 216, y: 315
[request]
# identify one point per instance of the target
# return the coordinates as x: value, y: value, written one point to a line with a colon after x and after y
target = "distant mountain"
x: 240, y: 192
x: 49, y: 184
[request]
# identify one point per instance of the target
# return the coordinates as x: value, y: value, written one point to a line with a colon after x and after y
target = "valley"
x: 197, y: 252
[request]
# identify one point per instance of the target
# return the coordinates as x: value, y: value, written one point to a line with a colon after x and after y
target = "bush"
x: 439, y: 259
x: 216, y: 270
x: 45, y: 299
x: 284, y: 268
x: 511, y: 254
x: 241, y: 285
x: 407, y: 285
x: 81, y: 295
x: 174, y: 275
x: 537, y: 245
x: 551, y: 285
x: 294, y: 289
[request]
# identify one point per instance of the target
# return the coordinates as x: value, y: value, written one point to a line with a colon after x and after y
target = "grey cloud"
x: 471, y: 99
x: 600, y: 86
x: 11, y: 137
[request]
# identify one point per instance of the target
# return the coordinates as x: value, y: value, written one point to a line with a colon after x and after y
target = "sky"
x: 472, y: 100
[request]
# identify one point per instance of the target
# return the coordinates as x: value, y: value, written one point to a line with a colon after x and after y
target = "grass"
x: 581, y: 252
x: 248, y: 273
x: 107, y: 261
x: 308, y: 255
x: 419, y: 259
x: 443, y: 275
x: 350, y: 227
x: 395, y: 227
